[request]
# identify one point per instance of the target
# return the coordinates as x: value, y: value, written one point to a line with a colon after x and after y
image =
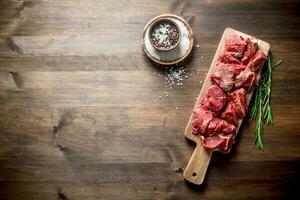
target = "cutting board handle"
x: 196, y: 168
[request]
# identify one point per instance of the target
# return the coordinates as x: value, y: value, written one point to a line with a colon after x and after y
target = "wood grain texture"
x: 81, y: 117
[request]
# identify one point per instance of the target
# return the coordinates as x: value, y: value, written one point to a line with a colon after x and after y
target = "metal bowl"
x: 160, y: 21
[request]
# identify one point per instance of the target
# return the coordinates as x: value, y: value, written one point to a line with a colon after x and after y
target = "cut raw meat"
x: 235, y: 44
x: 202, y: 119
x: 237, y: 69
x: 246, y: 79
x: 250, y: 51
x: 225, y: 102
x: 239, y: 98
x: 223, y: 77
x: 215, y: 99
x: 229, y: 58
x: 218, y: 141
x: 217, y: 125
x: 225, y: 74
x: 257, y: 61
x: 230, y: 113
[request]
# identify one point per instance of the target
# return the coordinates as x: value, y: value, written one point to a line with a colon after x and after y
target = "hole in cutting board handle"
x: 194, y: 174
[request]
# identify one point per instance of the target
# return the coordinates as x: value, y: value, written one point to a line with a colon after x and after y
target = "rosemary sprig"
x: 260, y: 108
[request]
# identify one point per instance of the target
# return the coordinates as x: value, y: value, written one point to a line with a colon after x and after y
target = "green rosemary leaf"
x: 277, y: 64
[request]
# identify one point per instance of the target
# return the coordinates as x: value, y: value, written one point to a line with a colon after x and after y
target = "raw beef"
x: 250, y: 51
x: 229, y: 58
x: 218, y: 141
x: 223, y: 77
x: 215, y: 99
x: 237, y: 69
x: 246, y: 79
x: 257, y: 61
x: 225, y: 74
x: 202, y: 119
x: 235, y: 44
x: 217, y: 125
x: 225, y: 103
x: 239, y: 98
x: 230, y: 113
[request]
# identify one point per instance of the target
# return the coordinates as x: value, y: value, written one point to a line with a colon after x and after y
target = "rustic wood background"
x: 81, y: 117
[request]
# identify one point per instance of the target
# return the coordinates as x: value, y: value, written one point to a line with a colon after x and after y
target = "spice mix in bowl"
x: 164, y: 34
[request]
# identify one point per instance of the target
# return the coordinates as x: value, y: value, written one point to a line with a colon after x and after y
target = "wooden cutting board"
x: 196, y: 168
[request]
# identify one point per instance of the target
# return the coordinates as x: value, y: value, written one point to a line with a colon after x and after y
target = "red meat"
x: 250, y: 51
x: 257, y: 61
x: 237, y: 69
x: 230, y: 113
x: 202, y: 119
x: 215, y: 99
x: 218, y: 141
x: 225, y: 74
x: 223, y: 77
x: 229, y: 58
x: 217, y: 125
x: 235, y: 44
x: 239, y: 98
x: 246, y: 79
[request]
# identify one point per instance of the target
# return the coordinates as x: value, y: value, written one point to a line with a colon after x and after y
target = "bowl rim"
x: 161, y: 20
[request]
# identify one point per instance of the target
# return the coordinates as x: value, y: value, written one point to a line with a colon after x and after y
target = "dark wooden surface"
x: 81, y: 117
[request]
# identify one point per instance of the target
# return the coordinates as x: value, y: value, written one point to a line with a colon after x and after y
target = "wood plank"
x: 258, y: 186
x: 72, y: 45
x: 88, y: 131
x: 200, y: 63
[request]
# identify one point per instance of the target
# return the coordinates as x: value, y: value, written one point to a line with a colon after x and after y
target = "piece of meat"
x: 223, y: 77
x: 217, y: 125
x: 218, y: 141
x: 250, y: 50
x: 257, y: 61
x: 201, y: 120
x: 235, y: 44
x: 246, y: 79
x: 237, y: 69
x: 239, y: 98
x: 230, y: 113
x: 225, y: 74
x: 215, y: 99
x: 228, y: 58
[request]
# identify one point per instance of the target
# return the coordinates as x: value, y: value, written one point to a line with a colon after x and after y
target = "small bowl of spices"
x: 164, y: 34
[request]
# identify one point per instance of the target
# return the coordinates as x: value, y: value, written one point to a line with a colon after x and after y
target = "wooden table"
x: 81, y: 116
